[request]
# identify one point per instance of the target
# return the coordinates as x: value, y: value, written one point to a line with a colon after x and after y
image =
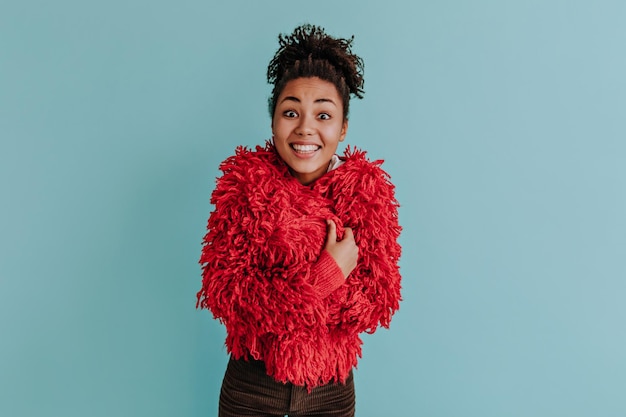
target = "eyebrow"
x: 319, y: 100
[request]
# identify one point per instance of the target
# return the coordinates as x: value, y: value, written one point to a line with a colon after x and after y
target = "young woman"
x: 301, y: 254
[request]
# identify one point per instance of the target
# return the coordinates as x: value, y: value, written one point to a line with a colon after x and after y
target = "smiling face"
x: 308, y: 125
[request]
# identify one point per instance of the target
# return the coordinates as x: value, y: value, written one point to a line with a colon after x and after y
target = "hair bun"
x: 311, y: 43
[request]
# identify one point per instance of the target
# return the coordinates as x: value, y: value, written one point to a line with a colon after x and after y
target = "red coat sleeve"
x: 373, y: 294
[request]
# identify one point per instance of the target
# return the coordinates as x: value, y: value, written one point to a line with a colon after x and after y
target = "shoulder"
x: 250, y: 160
x: 248, y: 171
x: 358, y: 167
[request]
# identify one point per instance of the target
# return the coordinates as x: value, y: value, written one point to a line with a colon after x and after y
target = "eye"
x: 290, y: 114
x: 324, y: 116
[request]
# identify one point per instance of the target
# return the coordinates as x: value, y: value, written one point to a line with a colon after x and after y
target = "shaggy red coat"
x: 267, y: 277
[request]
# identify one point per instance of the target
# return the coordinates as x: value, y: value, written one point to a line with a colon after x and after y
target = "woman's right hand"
x: 344, y: 252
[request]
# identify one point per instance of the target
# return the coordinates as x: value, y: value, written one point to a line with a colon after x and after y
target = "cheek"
x: 280, y: 136
x: 280, y: 129
x: 334, y: 132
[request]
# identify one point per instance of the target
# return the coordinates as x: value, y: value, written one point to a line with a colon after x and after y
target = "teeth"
x: 305, y: 148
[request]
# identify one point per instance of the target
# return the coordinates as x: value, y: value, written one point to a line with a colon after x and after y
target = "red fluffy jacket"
x: 267, y: 277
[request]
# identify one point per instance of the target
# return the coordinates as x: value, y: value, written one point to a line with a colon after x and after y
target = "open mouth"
x: 304, y: 148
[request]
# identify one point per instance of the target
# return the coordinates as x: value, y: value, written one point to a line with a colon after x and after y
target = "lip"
x: 304, y: 155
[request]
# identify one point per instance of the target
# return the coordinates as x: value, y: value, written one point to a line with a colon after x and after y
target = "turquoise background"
x: 503, y: 124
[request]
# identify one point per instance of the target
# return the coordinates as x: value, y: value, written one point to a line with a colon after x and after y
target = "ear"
x: 344, y: 130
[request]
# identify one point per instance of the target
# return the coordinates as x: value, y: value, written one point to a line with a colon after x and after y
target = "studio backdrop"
x: 502, y: 124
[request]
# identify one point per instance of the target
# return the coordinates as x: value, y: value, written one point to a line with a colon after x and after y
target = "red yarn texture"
x: 266, y: 276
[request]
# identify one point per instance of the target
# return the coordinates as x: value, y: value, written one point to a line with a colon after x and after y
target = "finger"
x: 332, y: 231
x: 348, y: 234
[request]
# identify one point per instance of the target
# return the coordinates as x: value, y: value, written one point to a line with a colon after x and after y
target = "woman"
x: 301, y: 254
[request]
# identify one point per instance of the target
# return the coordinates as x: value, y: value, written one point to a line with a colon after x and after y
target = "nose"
x: 305, y: 127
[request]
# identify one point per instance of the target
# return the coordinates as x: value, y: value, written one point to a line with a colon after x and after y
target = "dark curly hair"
x: 310, y: 52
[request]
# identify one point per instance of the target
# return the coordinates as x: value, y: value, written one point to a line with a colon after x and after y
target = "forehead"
x: 312, y: 88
